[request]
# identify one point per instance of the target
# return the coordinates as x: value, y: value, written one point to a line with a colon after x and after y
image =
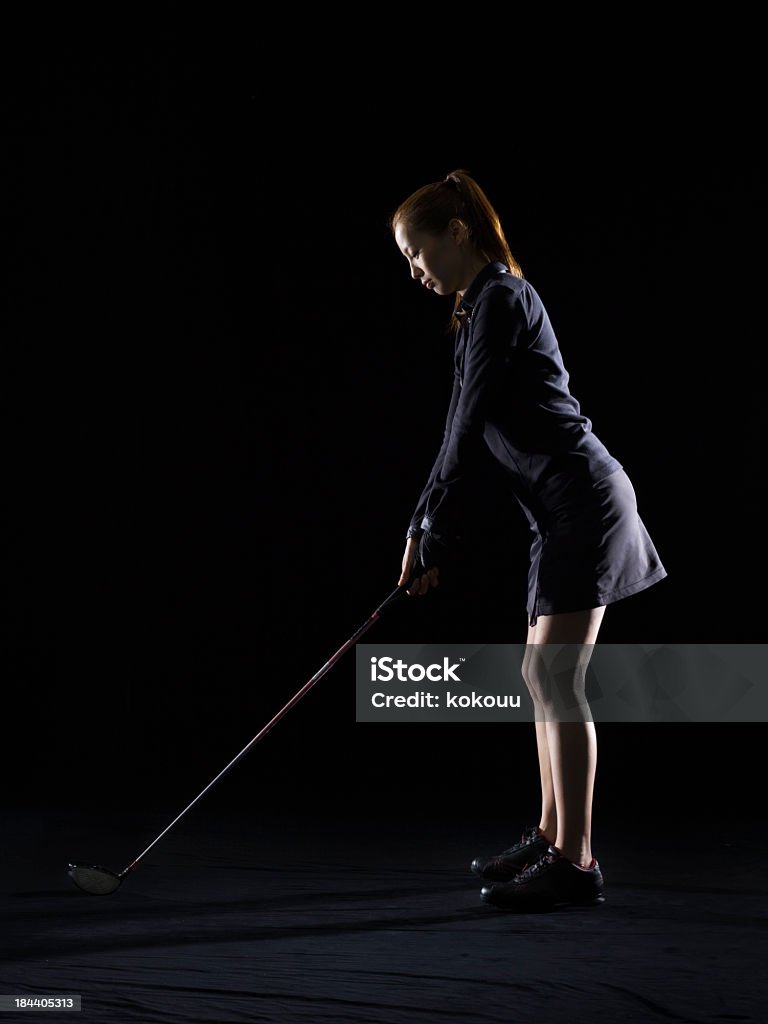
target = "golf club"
x: 100, y: 881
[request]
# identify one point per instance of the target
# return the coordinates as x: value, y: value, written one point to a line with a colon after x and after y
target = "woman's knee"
x: 555, y: 676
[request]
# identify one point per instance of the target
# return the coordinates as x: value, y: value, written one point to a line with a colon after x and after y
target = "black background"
x: 224, y: 394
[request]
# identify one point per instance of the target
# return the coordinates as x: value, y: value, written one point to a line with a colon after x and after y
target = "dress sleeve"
x: 416, y: 529
x: 497, y: 327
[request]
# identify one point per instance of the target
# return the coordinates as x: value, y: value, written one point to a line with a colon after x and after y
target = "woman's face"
x: 435, y: 259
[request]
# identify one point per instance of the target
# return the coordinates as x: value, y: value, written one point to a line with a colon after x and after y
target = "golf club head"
x: 94, y: 879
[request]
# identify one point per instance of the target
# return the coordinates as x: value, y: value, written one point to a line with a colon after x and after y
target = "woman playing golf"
x: 590, y: 548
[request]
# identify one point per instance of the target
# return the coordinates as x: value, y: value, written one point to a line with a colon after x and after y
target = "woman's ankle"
x: 548, y: 831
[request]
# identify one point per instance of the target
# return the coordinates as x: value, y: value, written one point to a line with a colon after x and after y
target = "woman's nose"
x: 415, y: 272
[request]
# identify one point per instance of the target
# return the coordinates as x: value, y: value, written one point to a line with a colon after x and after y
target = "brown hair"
x: 433, y: 206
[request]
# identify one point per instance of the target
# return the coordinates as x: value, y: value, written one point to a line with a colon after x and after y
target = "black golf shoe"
x: 504, y: 866
x: 551, y: 882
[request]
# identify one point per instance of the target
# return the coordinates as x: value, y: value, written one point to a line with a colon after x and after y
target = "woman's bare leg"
x: 548, y: 822
x: 567, y: 749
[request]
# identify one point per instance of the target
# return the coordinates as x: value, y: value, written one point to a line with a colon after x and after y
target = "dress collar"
x: 491, y: 269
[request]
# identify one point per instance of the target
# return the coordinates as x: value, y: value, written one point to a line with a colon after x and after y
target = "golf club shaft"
x: 283, y: 711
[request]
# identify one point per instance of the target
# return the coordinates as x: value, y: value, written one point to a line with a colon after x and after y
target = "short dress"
x: 511, y: 397
x: 590, y: 546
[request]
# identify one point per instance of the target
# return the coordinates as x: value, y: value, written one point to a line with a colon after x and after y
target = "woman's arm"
x: 415, y: 529
x: 498, y: 325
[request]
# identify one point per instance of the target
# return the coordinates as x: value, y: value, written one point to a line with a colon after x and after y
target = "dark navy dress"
x: 510, y: 394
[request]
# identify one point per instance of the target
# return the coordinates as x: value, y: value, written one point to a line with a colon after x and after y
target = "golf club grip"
x: 399, y: 590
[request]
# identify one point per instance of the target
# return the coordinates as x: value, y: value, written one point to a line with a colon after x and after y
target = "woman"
x: 590, y: 547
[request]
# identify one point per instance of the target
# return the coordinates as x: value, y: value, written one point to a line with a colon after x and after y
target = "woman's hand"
x: 429, y: 579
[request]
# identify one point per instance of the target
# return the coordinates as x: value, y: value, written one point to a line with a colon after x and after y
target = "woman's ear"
x: 459, y: 230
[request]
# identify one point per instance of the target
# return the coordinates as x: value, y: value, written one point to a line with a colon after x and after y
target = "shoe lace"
x: 537, y: 867
x: 526, y: 839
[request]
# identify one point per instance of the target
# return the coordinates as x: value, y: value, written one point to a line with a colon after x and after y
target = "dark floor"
x: 286, y: 916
